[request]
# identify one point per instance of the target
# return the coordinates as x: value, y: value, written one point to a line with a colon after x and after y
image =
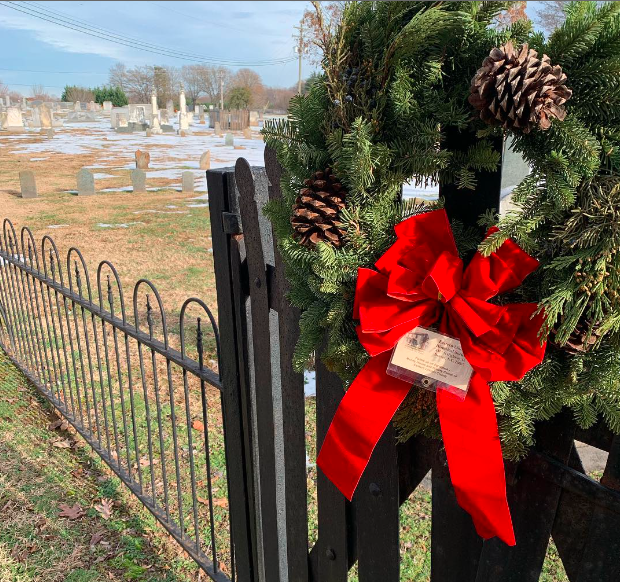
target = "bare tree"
x: 318, y: 25
x: 513, y: 14
x: 117, y: 76
x: 166, y: 82
x: 551, y: 15
x: 249, y: 79
x: 277, y: 98
x: 193, y: 81
x: 139, y: 84
x: 38, y: 92
x: 211, y: 81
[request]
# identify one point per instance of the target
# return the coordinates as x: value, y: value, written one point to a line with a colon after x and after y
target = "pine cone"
x: 582, y: 339
x: 517, y: 90
x: 316, y: 210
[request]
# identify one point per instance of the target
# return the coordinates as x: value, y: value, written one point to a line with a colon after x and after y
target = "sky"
x: 36, y: 51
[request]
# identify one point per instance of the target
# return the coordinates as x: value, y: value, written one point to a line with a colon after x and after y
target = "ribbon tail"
x: 361, y: 418
x: 471, y: 439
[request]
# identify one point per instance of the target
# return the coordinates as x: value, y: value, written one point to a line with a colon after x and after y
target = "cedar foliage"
x: 396, y: 80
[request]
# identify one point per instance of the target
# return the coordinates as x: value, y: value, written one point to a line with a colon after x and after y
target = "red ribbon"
x: 420, y: 281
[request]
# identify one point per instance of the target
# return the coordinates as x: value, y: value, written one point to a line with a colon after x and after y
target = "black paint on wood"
x: 376, y: 502
x: 468, y: 205
x: 293, y: 405
x: 238, y: 454
x: 261, y: 344
x: 455, y: 548
x: 331, y: 548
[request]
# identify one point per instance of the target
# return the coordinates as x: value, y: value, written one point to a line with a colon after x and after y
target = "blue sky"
x: 246, y: 32
x: 36, y: 51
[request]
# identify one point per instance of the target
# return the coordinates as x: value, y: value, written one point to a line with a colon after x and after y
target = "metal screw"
x: 331, y: 555
x: 374, y: 490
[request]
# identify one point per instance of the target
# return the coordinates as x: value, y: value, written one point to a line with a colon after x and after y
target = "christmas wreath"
x: 400, y: 80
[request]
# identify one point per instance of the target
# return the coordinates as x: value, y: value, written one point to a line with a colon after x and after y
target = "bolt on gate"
x: 549, y: 493
x: 159, y: 417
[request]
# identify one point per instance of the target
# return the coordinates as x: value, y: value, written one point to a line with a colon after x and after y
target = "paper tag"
x: 431, y: 360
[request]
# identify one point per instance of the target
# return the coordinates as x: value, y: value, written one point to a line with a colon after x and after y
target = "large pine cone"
x: 317, y: 209
x: 582, y: 339
x: 517, y: 90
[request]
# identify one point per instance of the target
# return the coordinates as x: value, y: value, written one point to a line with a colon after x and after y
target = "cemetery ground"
x: 162, y: 235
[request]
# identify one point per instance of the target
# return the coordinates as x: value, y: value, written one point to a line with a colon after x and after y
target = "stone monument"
x: 45, y: 116
x: 187, y: 181
x: 85, y: 183
x: 27, y: 184
x: 138, y: 180
x: 142, y: 160
x: 205, y: 160
x: 14, y: 121
x: 155, y: 127
x: 183, y: 120
x: 229, y: 140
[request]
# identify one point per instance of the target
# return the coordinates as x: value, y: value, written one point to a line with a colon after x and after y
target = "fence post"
x: 234, y: 373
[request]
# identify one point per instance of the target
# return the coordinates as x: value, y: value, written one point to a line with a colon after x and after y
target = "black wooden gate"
x: 549, y: 493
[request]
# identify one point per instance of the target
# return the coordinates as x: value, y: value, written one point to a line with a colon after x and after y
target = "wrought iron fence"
x: 153, y: 413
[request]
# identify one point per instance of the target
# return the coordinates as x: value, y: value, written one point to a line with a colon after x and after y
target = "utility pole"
x: 299, y: 49
x: 221, y: 74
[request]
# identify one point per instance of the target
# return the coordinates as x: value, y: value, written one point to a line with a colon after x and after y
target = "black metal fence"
x: 159, y: 416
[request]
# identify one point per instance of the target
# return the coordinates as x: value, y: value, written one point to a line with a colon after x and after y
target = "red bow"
x: 421, y: 282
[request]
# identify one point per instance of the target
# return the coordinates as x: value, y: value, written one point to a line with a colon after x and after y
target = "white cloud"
x: 61, y: 38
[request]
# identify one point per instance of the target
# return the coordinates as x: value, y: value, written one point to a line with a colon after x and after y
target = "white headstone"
x: 92, y: 106
x: 45, y: 116
x: 122, y: 120
x: 14, y: 121
x: 107, y: 105
x: 77, y: 106
x: 7, y: 100
x: 155, y: 127
x: 182, y: 101
x: 197, y: 109
x: 170, y: 107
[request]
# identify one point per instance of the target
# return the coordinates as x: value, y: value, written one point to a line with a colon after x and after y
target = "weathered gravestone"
x: 218, y: 129
x: 149, y: 132
x: 247, y: 133
x: 45, y: 116
x: 170, y: 107
x: 187, y: 181
x: 48, y: 132
x: 138, y: 180
x: 229, y: 140
x: 85, y: 183
x: 27, y: 184
x: 202, y: 117
x: 14, y: 121
x: 205, y: 160
x: 142, y: 160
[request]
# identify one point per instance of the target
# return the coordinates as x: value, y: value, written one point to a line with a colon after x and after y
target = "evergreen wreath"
x: 398, y: 78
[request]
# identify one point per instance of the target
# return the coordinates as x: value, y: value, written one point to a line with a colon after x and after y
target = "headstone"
x: 48, y: 132
x: 197, y: 109
x: 165, y: 124
x: 142, y: 160
x: 187, y: 180
x: 27, y: 184
x: 3, y: 117
x: 182, y: 132
x: 24, y: 104
x: 45, y: 115
x: 254, y: 118
x: 155, y: 127
x: 205, y: 160
x: 91, y: 106
x: 149, y: 132
x: 85, y: 183
x: 247, y: 133
x: 202, y: 117
x: 107, y: 105
x: 229, y: 140
x: 183, y: 116
x: 170, y: 107
x: 218, y: 130
x: 14, y: 121
x: 77, y: 106
x: 122, y: 123
x: 138, y: 180
x: 7, y: 100
x: 80, y: 116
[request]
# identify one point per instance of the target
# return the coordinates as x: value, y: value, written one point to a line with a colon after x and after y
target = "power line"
x: 54, y: 72
x: 55, y: 14
x: 72, y: 24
